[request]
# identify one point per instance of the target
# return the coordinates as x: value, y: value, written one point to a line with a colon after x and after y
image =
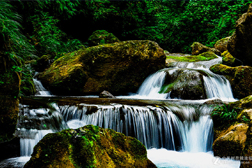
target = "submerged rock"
x: 119, y: 67
x: 198, y: 48
x: 106, y: 94
x: 240, y: 78
x: 221, y: 44
x: 89, y: 146
x: 102, y: 37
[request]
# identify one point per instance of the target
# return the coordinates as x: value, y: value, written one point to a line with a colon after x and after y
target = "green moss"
x: 227, y: 58
x: 206, y: 56
x: 166, y: 88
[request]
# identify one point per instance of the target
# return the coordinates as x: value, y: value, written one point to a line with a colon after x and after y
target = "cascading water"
x: 216, y: 86
x: 176, y: 134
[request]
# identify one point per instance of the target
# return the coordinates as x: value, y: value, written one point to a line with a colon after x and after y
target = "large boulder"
x: 221, y: 44
x: 198, y: 48
x: 118, y: 67
x: 239, y: 45
x: 89, y: 146
x: 184, y: 84
x: 231, y: 142
x: 102, y: 37
x: 240, y: 78
x: 42, y: 63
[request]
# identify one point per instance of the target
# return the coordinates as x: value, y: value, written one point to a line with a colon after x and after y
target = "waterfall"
x: 155, y: 127
x: 216, y: 86
x: 41, y: 91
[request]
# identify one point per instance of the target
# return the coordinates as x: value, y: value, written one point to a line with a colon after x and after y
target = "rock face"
x: 184, y: 84
x: 118, y: 67
x: 89, y: 146
x: 9, y: 89
x: 240, y: 78
x: 198, y: 48
x: 239, y: 45
x: 102, y: 37
x: 232, y: 141
x: 221, y: 44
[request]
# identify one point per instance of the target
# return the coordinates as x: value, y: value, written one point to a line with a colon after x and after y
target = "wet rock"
x: 198, y: 48
x: 10, y: 149
x: 106, y: 94
x: 102, y: 37
x: 184, y: 84
x: 231, y: 142
x: 214, y: 101
x: 221, y: 44
x: 240, y: 78
x: 89, y: 146
x: 239, y: 45
x: 119, y: 67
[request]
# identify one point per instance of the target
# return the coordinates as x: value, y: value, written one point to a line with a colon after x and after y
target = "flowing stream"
x: 178, y: 134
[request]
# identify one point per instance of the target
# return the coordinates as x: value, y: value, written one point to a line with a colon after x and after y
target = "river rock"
x: 89, y: 146
x: 240, y: 78
x: 198, y: 48
x: 231, y: 142
x: 102, y: 37
x: 119, y: 67
x: 106, y: 94
x: 184, y: 84
x: 239, y: 45
x: 221, y: 44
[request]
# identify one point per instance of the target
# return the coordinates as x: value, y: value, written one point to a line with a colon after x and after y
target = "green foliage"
x: 223, y: 114
x: 13, y: 43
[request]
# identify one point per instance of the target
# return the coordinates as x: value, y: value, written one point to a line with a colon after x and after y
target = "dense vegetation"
x: 30, y: 29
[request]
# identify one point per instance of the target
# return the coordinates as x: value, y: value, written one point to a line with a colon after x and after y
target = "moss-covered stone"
x: 198, y: 48
x: 240, y: 78
x: 119, y: 67
x: 102, y: 37
x: 221, y: 44
x: 89, y: 146
x: 184, y: 84
x: 206, y: 56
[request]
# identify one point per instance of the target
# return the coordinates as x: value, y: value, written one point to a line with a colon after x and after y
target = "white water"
x: 216, y: 86
x: 41, y: 91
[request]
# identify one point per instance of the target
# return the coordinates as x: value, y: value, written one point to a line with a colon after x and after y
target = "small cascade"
x: 216, y: 86
x: 41, y: 91
x: 156, y: 127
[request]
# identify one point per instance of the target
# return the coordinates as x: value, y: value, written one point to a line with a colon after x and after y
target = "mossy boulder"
x: 119, y: 67
x: 231, y: 142
x: 221, y: 44
x: 102, y: 37
x: 227, y: 58
x: 198, y: 48
x: 239, y: 45
x: 240, y: 78
x: 184, y: 84
x: 89, y: 146
x: 206, y: 56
